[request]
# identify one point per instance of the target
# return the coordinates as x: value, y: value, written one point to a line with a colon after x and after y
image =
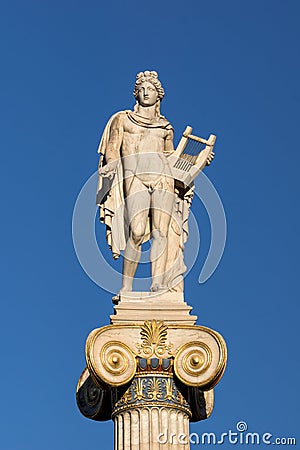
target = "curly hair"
x: 151, y: 77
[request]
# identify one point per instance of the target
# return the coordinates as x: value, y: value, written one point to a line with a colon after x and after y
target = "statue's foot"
x: 124, y: 289
x: 156, y: 287
x: 117, y: 297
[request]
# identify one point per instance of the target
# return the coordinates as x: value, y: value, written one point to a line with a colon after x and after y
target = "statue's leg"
x: 162, y: 203
x: 137, y: 203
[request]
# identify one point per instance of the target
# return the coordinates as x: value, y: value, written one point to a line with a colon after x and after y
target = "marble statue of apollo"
x: 137, y: 194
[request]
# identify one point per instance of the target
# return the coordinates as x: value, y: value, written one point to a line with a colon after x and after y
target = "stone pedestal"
x: 136, y: 307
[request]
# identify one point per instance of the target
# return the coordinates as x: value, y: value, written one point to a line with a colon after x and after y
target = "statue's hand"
x: 210, y: 158
x: 109, y: 170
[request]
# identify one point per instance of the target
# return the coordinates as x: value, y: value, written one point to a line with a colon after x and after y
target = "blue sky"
x: 227, y: 67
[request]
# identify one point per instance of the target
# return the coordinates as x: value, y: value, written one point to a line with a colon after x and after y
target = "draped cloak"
x: 111, y: 202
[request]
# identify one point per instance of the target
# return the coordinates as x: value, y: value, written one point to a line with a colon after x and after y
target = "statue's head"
x: 148, y: 89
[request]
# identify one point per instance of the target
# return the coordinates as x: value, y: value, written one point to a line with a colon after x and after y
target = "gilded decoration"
x: 112, y: 364
x: 152, y: 391
x: 154, y: 337
x: 195, y: 364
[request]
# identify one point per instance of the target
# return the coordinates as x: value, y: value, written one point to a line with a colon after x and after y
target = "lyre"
x: 190, y: 156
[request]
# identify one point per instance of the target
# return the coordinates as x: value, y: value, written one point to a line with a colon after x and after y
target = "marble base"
x: 136, y: 307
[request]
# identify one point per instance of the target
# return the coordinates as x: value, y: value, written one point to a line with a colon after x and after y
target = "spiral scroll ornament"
x: 111, y: 364
x: 89, y: 397
x: 201, y: 364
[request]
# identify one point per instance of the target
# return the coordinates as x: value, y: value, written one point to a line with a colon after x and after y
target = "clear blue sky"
x: 228, y: 67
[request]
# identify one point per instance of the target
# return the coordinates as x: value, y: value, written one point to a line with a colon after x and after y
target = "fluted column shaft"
x: 152, y: 414
x: 155, y: 428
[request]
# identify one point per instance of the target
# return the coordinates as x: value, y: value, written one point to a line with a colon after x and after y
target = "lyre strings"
x: 189, y: 155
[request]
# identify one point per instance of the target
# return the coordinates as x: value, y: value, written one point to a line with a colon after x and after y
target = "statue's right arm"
x: 112, y: 151
x: 115, y: 139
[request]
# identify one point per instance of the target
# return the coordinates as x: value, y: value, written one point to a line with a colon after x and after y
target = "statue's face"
x: 147, y: 94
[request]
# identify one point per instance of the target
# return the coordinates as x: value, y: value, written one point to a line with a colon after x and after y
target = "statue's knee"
x: 159, y: 234
x: 137, y: 235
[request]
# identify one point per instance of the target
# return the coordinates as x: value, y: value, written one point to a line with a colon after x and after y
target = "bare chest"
x: 131, y: 128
